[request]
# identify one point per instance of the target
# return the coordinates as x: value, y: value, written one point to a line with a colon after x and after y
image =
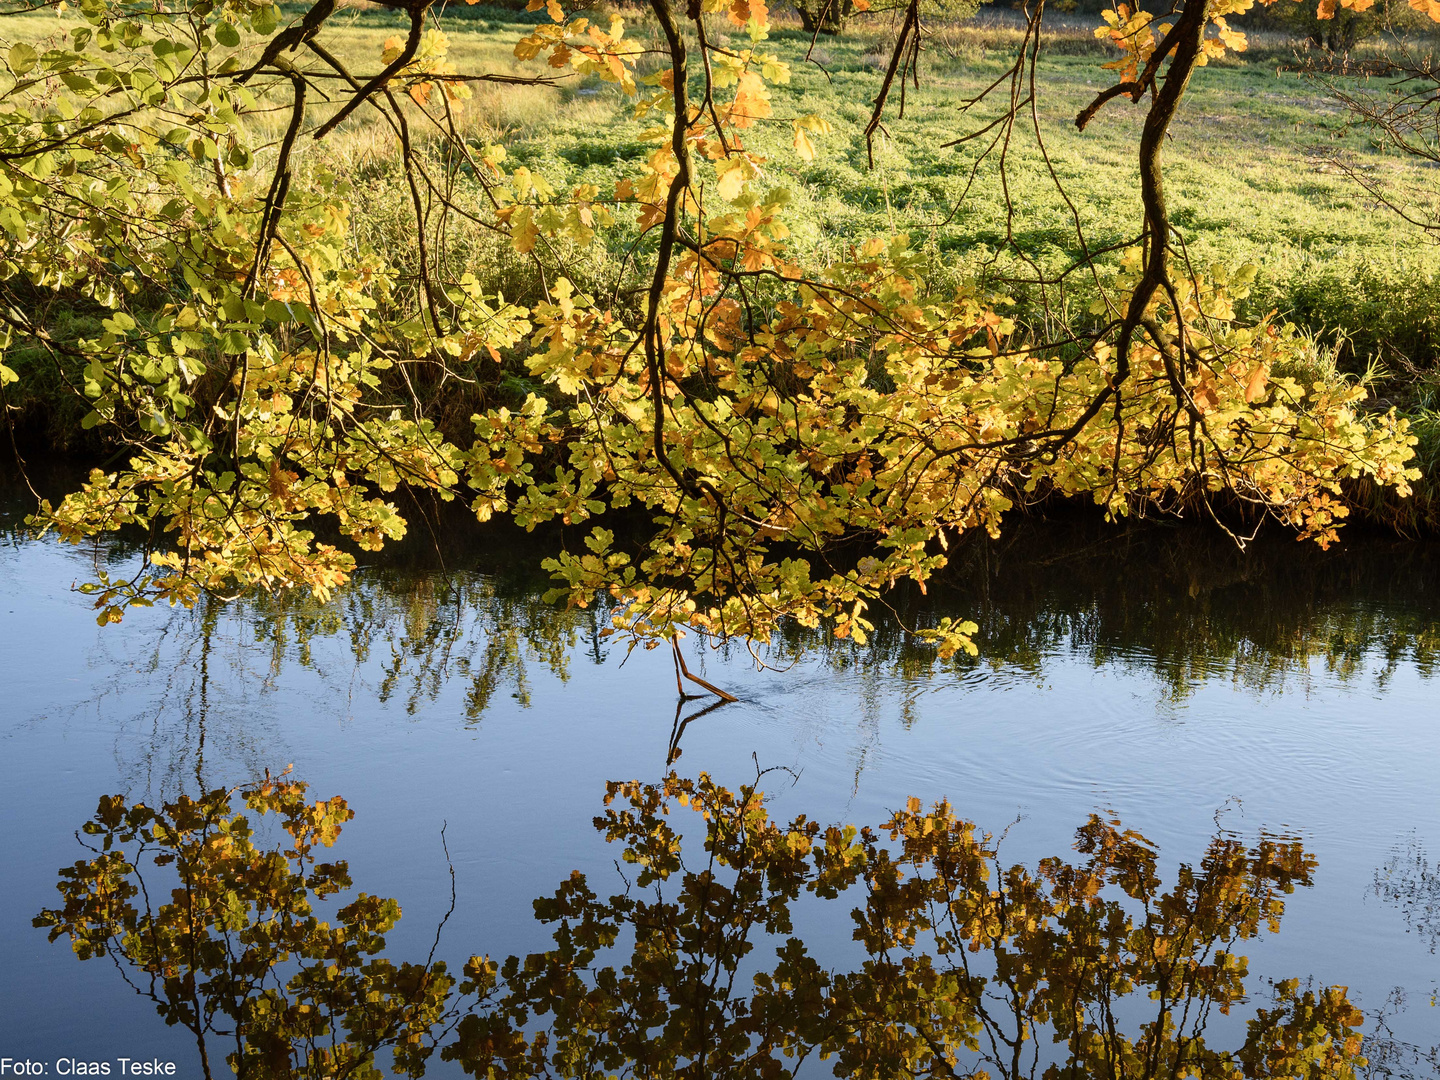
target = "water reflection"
x: 697, y: 964
x: 420, y: 631
x: 1180, y: 605
x: 1189, y: 610
x: 461, y: 604
x: 1410, y: 883
x: 237, y: 955
x: 1184, y: 602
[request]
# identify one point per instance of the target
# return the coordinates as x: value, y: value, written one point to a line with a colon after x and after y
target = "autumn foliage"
x: 802, y: 438
x: 698, y: 966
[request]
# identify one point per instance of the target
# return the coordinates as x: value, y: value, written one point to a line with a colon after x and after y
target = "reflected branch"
x: 698, y: 967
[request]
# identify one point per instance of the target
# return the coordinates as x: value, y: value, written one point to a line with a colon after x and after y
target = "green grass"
x: 1248, y: 173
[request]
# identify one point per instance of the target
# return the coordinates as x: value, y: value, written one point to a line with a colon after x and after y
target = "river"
x: 1154, y: 674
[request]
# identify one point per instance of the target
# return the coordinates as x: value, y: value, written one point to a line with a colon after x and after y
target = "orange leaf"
x: 1255, y: 388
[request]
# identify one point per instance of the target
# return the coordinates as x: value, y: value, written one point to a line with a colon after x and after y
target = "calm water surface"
x: 1158, y: 676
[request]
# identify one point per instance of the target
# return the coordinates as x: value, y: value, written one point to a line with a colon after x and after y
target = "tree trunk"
x: 824, y: 16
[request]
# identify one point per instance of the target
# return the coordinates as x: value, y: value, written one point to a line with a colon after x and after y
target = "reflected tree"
x: 699, y: 966
x: 1410, y: 882
x: 1181, y: 606
x: 1185, y: 607
x: 414, y: 633
x: 237, y: 954
x: 190, y: 684
x: 1391, y: 1057
x: 971, y: 968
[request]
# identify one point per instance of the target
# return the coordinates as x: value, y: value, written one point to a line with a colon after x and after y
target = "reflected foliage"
x: 699, y: 966
x: 971, y: 968
x: 1410, y: 883
x: 1186, y: 607
x: 461, y: 608
x: 415, y: 634
x: 238, y: 954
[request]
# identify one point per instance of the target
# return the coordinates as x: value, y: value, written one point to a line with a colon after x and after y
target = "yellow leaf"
x: 803, y: 146
x: 732, y: 174
x: 775, y: 71
x: 752, y: 101
x: 524, y: 233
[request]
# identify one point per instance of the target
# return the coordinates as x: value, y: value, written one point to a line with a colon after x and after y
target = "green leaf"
x: 264, y: 20
x: 277, y: 312
x: 22, y: 58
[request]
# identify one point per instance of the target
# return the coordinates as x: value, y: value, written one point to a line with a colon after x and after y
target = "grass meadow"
x: 1251, y: 170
